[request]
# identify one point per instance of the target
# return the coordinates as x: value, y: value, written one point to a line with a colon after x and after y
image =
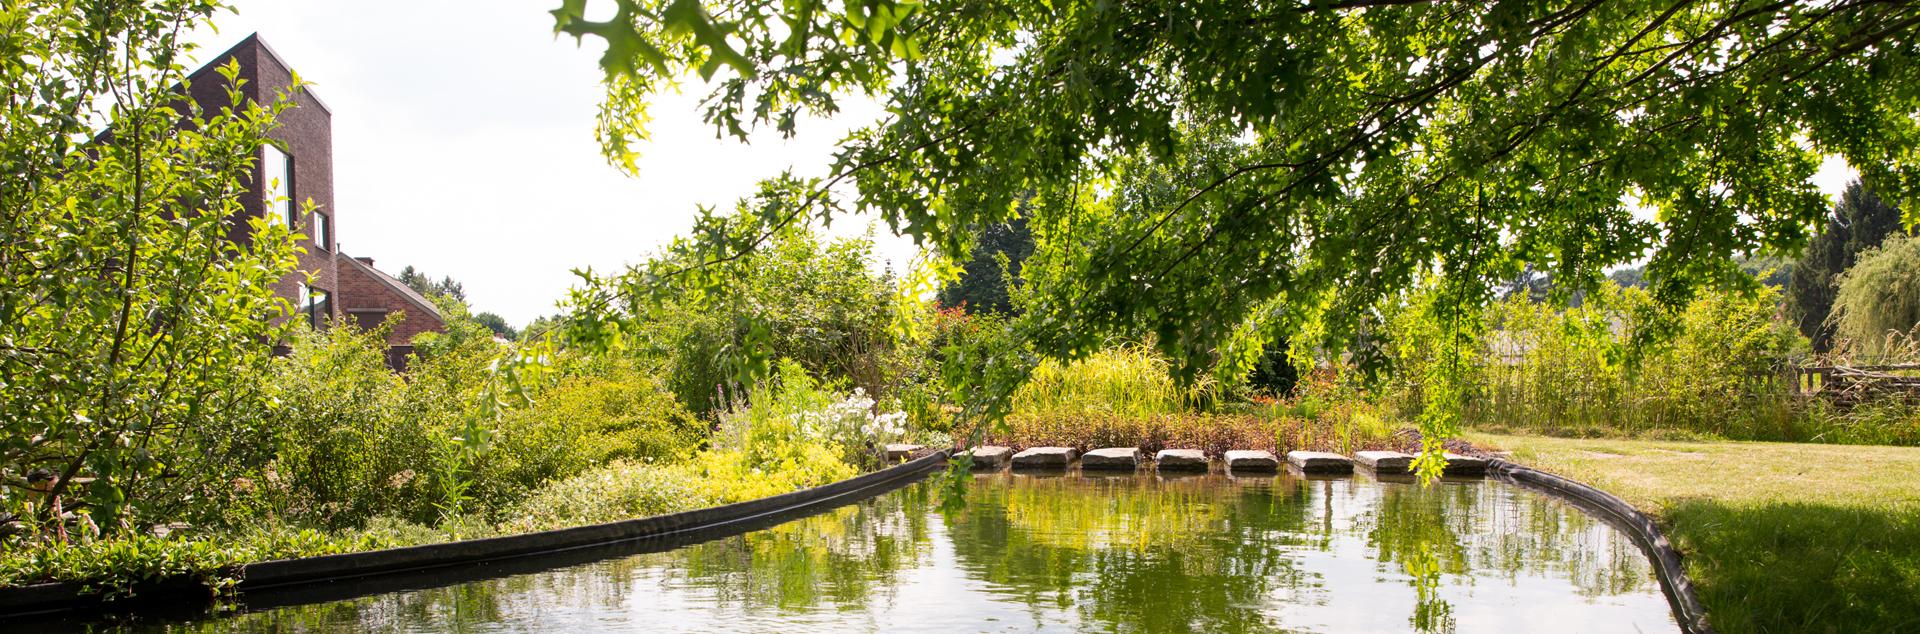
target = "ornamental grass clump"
x: 1128, y: 380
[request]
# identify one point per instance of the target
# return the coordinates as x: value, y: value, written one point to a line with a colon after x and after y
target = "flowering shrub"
x: 785, y: 415
x: 851, y: 424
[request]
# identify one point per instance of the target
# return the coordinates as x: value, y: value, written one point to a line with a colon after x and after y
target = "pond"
x: 1072, y: 553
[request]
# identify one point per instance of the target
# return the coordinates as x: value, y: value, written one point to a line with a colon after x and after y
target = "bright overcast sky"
x: 463, y: 145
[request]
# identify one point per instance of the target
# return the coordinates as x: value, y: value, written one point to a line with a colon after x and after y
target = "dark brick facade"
x: 370, y: 297
x: 357, y: 291
x: 306, y: 133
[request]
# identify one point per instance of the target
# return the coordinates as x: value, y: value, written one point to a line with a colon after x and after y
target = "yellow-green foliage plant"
x: 1127, y: 380
x: 598, y: 414
x: 769, y: 444
x: 1877, y: 308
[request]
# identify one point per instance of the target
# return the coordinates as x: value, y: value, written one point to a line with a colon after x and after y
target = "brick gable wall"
x: 369, y: 300
x: 361, y: 294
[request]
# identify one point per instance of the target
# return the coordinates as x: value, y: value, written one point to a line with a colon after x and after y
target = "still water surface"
x: 1133, y: 553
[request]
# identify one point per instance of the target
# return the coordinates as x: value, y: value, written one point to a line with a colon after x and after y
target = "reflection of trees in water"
x: 1134, y: 554
x: 841, y: 558
x: 1486, y: 530
x: 1415, y: 528
x: 448, y: 608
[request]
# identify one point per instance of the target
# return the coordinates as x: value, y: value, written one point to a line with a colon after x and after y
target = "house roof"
x: 412, y: 297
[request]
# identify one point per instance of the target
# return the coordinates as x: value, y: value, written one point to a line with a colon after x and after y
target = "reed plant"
x: 1129, y: 381
x: 1618, y: 364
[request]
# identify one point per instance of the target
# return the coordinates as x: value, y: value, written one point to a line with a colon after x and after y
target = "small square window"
x: 322, y: 231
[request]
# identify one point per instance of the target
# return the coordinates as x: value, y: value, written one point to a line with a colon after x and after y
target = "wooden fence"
x: 1850, y: 384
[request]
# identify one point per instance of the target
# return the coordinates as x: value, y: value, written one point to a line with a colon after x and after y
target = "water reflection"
x: 1132, y: 553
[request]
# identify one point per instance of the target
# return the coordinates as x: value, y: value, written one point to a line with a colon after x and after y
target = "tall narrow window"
x: 322, y: 231
x: 317, y: 305
x: 277, y: 190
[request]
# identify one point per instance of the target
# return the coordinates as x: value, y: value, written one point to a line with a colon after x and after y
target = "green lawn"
x: 1778, y: 537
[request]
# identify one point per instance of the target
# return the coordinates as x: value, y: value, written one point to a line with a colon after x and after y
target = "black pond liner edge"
x: 1638, y: 526
x: 347, y: 575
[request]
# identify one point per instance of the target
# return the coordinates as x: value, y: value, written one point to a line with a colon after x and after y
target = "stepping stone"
x: 1465, y: 465
x: 897, y: 452
x: 1319, y: 462
x: 1385, y: 461
x: 1251, y: 460
x: 1181, y: 460
x: 1044, y: 458
x: 991, y: 457
x: 1117, y: 458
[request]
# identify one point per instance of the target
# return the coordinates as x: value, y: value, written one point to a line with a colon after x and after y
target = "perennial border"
x: 315, y: 573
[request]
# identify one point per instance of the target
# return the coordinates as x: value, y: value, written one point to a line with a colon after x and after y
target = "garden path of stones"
x: 994, y: 458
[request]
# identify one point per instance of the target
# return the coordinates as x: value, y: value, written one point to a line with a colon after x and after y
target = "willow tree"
x: 1859, y: 221
x: 1876, y: 307
x: 1204, y: 171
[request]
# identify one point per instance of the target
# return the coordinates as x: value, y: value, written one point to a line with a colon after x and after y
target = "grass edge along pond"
x: 1775, y: 536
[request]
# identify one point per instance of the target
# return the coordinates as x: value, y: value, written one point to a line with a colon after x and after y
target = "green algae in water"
x: 1066, y: 553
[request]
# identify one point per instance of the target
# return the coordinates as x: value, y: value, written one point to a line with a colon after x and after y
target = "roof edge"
x: 393, y: 285
x: 261, y: 43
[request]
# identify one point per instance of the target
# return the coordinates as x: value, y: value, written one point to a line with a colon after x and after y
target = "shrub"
x: 129, y: 320
x: 813, y: 303
x: 617, y: 491
x: 606, y: 413
x: 783, y: 416
x: 354, y: 440
x: 350, y: 439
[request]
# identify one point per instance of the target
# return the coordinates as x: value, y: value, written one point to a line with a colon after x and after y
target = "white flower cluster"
x: 850, y: 417
x: 888, y: 425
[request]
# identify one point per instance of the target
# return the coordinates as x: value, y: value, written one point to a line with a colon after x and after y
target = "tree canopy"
x: 1859, y: 221
x: 985, y: 279
x: 1211, y: 172
x: 1876, y: 304
x: 129, y: 320
x: 424, y: 284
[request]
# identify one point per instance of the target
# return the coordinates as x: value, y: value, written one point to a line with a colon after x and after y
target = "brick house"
x: 340, y: 286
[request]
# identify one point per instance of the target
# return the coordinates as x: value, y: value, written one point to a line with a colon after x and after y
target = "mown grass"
x: 1778, y: 537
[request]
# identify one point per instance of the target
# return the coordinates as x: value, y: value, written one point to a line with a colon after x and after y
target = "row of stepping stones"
x: 1132, y: 458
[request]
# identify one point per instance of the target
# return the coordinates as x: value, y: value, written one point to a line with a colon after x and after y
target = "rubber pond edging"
x: 50, y: 598
x: 1687, y: 610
